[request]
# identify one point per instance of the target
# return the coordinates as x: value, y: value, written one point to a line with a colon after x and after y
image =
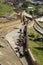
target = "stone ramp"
x: 12, y: 38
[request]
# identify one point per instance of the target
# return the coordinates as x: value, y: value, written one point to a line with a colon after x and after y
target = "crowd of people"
x: 22, y: 41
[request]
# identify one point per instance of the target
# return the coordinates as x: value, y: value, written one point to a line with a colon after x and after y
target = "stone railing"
x: 38, y: 28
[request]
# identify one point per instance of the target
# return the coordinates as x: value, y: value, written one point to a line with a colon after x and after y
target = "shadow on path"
x: 27, y: 56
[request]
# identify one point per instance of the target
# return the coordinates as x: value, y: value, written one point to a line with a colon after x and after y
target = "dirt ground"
x: 7, y: 55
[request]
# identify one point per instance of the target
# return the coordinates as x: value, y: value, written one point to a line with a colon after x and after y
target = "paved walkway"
x: 12, y: 39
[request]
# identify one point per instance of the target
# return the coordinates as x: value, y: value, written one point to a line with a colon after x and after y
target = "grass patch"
x: 5, y: 9
x: 33, y: 9
x: 38, y: 54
